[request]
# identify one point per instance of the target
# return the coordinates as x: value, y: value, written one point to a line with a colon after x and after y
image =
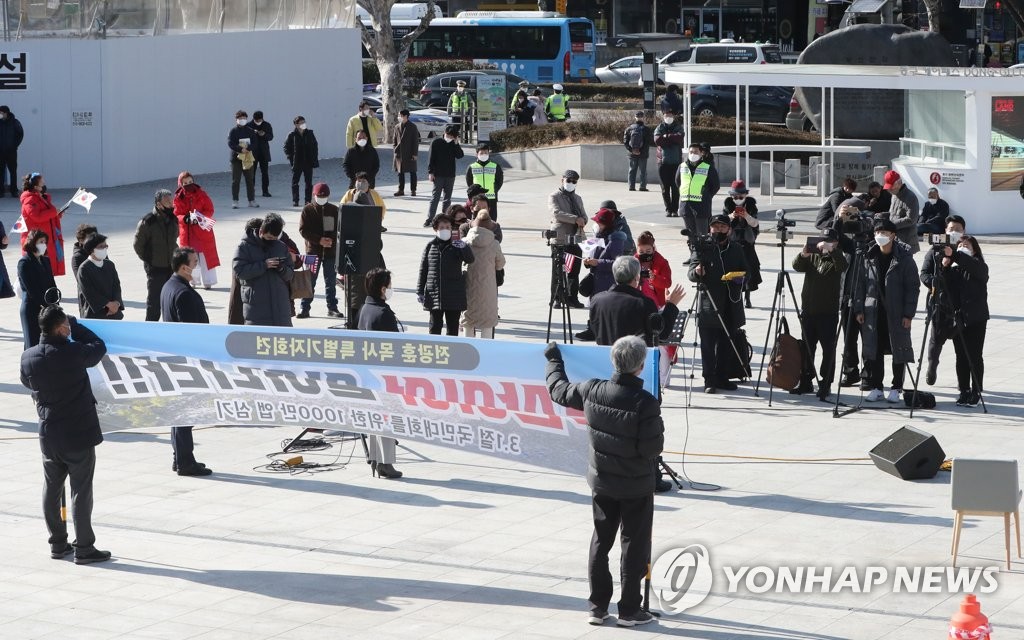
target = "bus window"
x: 581, y: 36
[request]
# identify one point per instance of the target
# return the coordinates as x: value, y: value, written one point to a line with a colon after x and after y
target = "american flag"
x: 569, y: 263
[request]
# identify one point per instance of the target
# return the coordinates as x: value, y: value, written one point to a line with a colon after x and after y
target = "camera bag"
x: 786, y: 363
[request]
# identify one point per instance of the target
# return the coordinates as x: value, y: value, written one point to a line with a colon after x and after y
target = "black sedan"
x: 767, y: 104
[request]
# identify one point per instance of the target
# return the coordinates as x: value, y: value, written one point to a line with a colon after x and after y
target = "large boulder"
x: 870, y: 114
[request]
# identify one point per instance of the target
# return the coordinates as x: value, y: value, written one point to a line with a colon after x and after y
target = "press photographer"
x: 568, y: 220
x: 715, y: 257
x: 830, y: 207
x: 823, y: 265
x: 855, y: 225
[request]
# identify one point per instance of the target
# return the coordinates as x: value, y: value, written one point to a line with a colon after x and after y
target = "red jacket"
x: 39, y: 213
x: 660, y: 280
x: 191, y: 235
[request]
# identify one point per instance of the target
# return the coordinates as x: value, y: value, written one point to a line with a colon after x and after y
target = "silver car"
x: 622, y: 70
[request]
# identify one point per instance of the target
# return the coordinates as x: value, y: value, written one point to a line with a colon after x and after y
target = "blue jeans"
x: 329, y: 271
x: 637, y: 163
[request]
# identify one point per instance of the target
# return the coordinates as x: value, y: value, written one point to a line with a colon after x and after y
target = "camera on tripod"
x: 703, y: 245
x: 556, y: 239
x: 782, y: 226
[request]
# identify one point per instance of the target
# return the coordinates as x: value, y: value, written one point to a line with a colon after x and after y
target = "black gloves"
x: 551, y: 352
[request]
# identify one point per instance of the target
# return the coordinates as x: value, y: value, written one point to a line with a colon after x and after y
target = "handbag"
x: 587, y: 285
x: 786, y: 363
x: 301, y: 284
x: 924, y: 399
x: 499, y: 277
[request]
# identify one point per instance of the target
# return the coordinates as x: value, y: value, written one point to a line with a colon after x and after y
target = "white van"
x: 721, y: 53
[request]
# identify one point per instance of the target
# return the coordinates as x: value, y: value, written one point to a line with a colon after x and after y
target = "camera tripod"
x: 694, y: 311
x: 560, y: 294
x: 854, y: 274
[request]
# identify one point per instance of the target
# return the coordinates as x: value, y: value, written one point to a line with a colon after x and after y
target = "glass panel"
x: 580, y: 32
x: 936, y: 116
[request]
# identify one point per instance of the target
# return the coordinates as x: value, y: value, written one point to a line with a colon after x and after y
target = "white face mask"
x: 388, y: 293
x: 882, y: 240
x: 933, y: 200
x: 100, y: 254
x: 596, y: 228
x: 966, y: 250
x: 444, y: 235
x: 694, y: 157
x: 738, y: 199
x: 449, y: 139
x: 361, y: 143
x: 366, y: 112
x: 362, y: 185
x: 240, y: 122
x: 569, y: 186
x: 302, y: 126
x: 954, y: 237
x: 483, y: 157
x: 41, y: 248
x: 320, y: 200
x: 669, y: 119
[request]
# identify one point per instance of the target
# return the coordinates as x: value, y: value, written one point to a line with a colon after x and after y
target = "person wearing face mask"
x: 668, y: 137
x: 958, y: 292
x: 361, y: 158
x: 243, y: 163
x: 377, y: 315
x: 522, y: 107
x: 303, y: 153
x: 190, y: 199
x: 568, y: 221
x: 78, y: 256
x: 11, y: 136
x: 671, y: 100
x: 364, y: 194
x: 6, y: 290
x: 904, y: 211
x: 933, y: 214
x: 482, y: 278
x: 38, y: 212
x: 715, y: 347
x: 557, y: 105
x: 741, y: 208
x: 406, y: 151
x: 264, y: 269
x: 441, y: 287
x: 460, y: 110
x: 823, y: 275
x: 636, y: 140
x: 655, y: 280
x: 261, y: 148
x: 156, y: 238
x: 537, y: 100
x: 478, y: 205
x: 366, y: 121
x: 99, y: 282
x: 488, y: 174
x: 444, y: 152
x: 698, y: 183
x: 885, y: 304
x: 179, y: 302
x: 318, y: 226
x: 600, y: 264
x: 35, y: 278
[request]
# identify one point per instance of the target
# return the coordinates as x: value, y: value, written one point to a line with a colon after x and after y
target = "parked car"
x: 430, y: 122
x: 622, y: 70
x: 440, y: 86
x: 767, y: 104
x: 725, y: 52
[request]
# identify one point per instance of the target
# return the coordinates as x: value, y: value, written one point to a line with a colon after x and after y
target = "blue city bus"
x: 538, y: 46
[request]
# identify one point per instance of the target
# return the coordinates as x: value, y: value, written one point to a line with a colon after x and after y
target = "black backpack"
x: 924, y: 400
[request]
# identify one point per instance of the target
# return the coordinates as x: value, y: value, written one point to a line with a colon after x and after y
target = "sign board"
x: 946, y: 178
x: 491, y: 105
x: 973, y: 4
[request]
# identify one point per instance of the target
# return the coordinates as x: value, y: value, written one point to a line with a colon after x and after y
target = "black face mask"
x: 646, y: 257
x: 720, y: 236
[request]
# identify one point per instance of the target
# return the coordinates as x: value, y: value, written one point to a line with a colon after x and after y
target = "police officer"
x: 486, y: 173
x: 460, y: 108
x: 698, y: 184
x: 557, y: 105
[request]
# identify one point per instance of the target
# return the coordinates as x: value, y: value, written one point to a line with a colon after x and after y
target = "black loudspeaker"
x: 359, y: 251
x: 909, y: 454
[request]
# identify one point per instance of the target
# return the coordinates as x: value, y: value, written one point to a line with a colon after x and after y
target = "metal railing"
x: 929, y: 150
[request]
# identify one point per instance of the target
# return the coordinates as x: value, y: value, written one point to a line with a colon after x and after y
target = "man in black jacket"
x: 56, y: 371
x: 303, y: 154
x: 626, y: 438
x: 179, y: 302
x: 261, y: 148
x: 156, y: 238
x: 441, y: 170
x: 11, y: 135
x: 240, y: 141
x: 624, y: 311
x: 829, y: 208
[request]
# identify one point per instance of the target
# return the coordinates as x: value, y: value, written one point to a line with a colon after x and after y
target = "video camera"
x: 555, y: 239
x: 782, y: 226
x: 860, y: 224
x: 703, y: 245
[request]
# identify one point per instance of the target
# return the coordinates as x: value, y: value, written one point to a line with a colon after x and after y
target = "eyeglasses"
x: 570, y: 180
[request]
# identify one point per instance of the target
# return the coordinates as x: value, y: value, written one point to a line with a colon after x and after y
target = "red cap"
x: 604, y: 217
x: 321, y: 189
x: 890, y: 179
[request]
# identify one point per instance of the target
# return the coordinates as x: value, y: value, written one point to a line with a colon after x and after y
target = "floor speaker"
x: 360, y: 244
x: 909, y: 454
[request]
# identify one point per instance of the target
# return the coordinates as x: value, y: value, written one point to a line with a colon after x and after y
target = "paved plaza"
x: 470, y: 547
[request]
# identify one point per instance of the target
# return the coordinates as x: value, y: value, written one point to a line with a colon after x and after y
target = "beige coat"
x: 481, y: 283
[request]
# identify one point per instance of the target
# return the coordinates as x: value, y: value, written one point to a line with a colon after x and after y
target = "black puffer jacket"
x: 625, y: 427
x: 964, y: 290
x: 442, y: 283
x: 897, y: 290
x: 266, y: 298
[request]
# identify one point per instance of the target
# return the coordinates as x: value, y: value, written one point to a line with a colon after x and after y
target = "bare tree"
x: 934, y: 9
x: 390, y: 56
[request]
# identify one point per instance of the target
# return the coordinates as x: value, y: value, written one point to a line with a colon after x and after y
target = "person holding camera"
x: 568, y: 219
x: 830, y: 207
x: 626, y: 439
x: 885, y: 303
x: 264, y: 269
x: 655, y: 279
x: 823, y: 267
x: 855, y: 227
x: 715, y: 257
x: 741, y: 208
x: 698, y: 183
x: 958, y: 290
x: 876, y: 199
x: 441, y: 287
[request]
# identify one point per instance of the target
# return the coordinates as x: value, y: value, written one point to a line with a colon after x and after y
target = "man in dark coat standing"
x: 261, y: 148
x: 56, y: 371
x: 444, y: 151
x: 179, y: 302
x: 406, y: 152
x: 264, y: 269
x: 11, y: 135
x: 318, y: 226
x: 240, y: 141
x: 361, y: 157
x: 156, y: 238
x: 624, y: 311
x: 626, y: 438
x: 303, y: 154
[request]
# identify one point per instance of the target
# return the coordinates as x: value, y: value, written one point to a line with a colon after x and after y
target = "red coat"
x: 39, y: 213
x: 191, y: 235
x: 660, y: 280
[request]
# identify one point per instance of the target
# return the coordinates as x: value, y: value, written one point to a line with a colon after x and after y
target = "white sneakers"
x: 894, y: 396
x: 876, y: 395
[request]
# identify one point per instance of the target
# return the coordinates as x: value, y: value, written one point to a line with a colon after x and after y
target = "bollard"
x: 878, y: 174
x: 792, y: 173
x: 767, y: 176
x: 812, y: 165
x: 824, y: 181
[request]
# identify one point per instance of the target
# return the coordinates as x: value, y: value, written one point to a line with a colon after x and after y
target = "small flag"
x: 84, y: 198
x: 570, y: 262
x: 311, y: 263
x: 206, y: 224
x: 19, y: 226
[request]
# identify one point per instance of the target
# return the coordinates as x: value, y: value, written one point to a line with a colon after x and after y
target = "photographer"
x: 742, y: 211
x: 568, y: 219
x: 830, y: 207
x: 823, y: 273
x: 856, y: 228
x: 264, y: 269
x: 876, y: 199
x: 714, y: 257
x: 624, y: 311
x: 959, y: 291
x: 885, y: 303
x: 626, y: 438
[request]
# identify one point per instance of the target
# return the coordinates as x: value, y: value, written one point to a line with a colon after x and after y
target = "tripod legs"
x: 560, y: 295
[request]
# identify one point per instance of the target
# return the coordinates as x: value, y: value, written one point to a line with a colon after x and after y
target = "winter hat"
x: 321, y: 189
x: 604, y: 217
x: 721, y: 219
x: 884, y: 224
x: 609, y: 204
x: 738, y: 187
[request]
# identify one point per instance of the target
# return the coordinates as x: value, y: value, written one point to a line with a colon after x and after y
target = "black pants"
x: 9, y: 171
x: 851, y: 332
x: 156, y: 278
x: 875, y: 366
x: 79, y: 465
x: 412, y: 181
x: 715, y: 347
x: 969, y: 346
x: 448, y: 317
x: 669, y: 188
x: 236, y: 178
x: 183, y: 445
x: 442, y: 192
x: 305, y: 173
x: 635, y: 517
x: 557, y: 272
x: 264, y: 167
x: 820, y: 328
x: 695, y: 224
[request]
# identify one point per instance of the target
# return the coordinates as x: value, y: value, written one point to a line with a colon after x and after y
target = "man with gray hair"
x: 156, y: 238
x: 626, y: 439
x: 624, y: 311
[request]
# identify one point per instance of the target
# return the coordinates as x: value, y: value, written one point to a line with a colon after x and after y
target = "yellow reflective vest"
x: 691, y: 185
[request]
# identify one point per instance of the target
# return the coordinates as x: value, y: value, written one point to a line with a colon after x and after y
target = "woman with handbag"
x: 376, y: 315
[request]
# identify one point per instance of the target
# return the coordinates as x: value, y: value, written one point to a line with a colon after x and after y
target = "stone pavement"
x: 468, y: 547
